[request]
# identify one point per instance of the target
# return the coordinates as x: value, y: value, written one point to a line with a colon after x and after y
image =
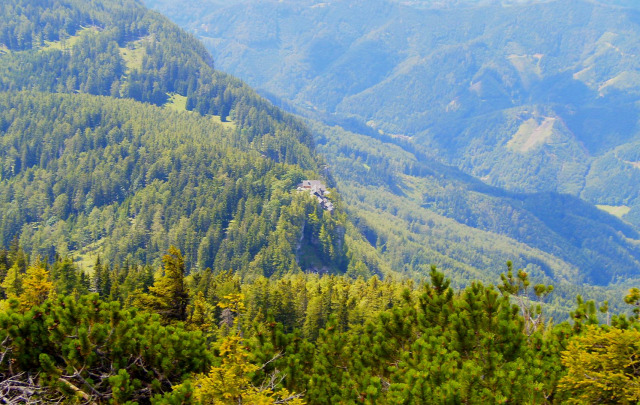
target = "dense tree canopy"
x: 127, y: 180
x: 210, y: 338
x: 262, y: 295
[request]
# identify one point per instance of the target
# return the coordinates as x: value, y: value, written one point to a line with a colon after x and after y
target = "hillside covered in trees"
x: 211, y: 338
x: 458, y: 132
x: 120, y: 139
x: 477, y: 84
x: 154, y: 247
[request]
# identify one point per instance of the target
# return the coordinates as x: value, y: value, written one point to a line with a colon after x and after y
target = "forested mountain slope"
x: 110, y: 151
x: 449, y: 144
x: 151, y: 147
x: 480, y: 84
x: 223, y: 189
x: 419, y: 211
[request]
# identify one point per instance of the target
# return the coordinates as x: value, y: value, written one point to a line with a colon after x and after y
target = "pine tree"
x: 633, y: 298
x: 231, y: 382
x: 97, y: 351
x: 202, y: 314
x: 101, y: 282
x: 65, y: 275
x: 331, y: 381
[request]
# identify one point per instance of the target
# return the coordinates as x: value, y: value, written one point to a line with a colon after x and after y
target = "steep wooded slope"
x: 482, y: 89
x: 419, y: 211
x: 211, y: 167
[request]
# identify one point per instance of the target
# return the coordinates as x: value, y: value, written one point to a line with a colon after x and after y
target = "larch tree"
x: 37, y: 287
x: 169, y: 295
x: 603, y: 366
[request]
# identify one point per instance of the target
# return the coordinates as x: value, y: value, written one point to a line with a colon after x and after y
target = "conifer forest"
x: 311, y: 227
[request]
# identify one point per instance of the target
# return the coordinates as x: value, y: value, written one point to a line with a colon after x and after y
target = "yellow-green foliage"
x: 230, y: 383
x: 37, y: 286
x: 319, y: 339
x: 602, y: 367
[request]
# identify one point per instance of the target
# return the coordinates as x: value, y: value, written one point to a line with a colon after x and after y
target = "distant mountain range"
x: 120, y: 139
x: 531, y: 97
x: 488, y: 113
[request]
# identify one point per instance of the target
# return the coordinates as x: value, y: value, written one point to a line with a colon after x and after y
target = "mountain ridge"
x: 392, y: 81
x: 468, y: 88
x: 119, y: 139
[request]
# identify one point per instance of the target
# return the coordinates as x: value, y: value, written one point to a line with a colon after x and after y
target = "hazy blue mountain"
x: 417, y: 105
x: 526, y: 95
x: 419, y: 211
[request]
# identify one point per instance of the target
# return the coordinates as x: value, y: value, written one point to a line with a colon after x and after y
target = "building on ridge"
x: 317, y: 189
